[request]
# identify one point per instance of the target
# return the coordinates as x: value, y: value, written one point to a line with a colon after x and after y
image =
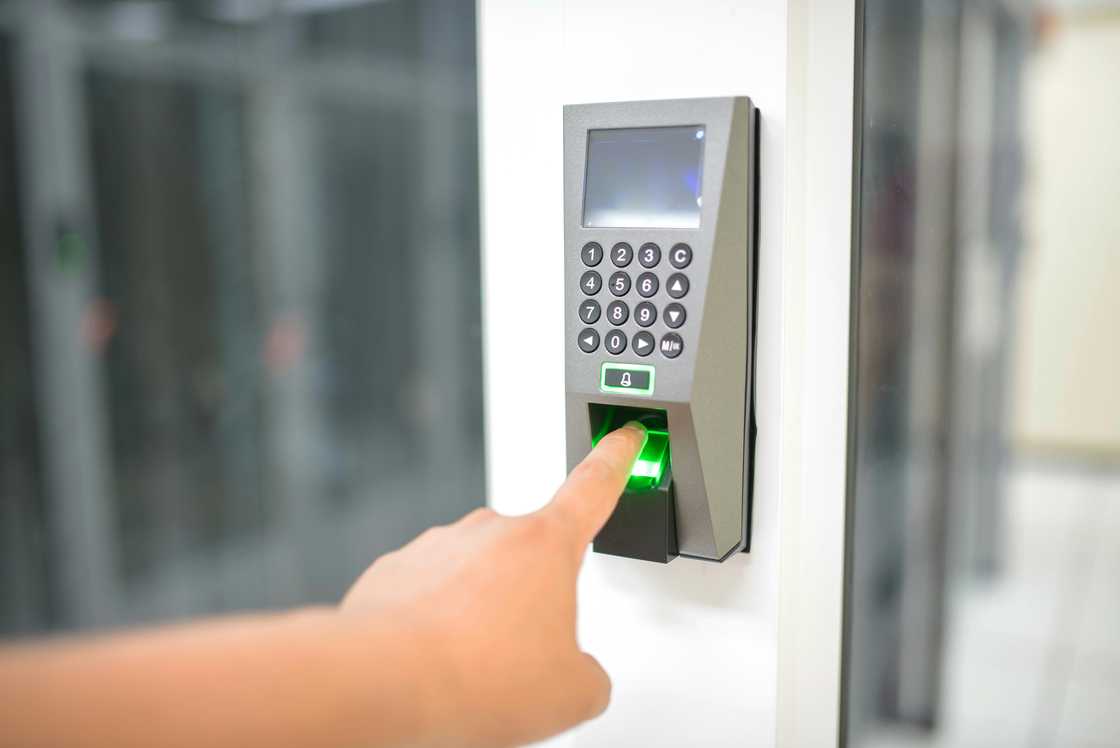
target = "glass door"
x: 985, y: 453
x: 241, y: 330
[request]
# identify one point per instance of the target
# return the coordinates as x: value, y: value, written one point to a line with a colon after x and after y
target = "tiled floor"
x: 1033, y: 656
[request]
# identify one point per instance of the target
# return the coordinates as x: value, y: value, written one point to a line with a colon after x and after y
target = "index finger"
x: 592, y: 490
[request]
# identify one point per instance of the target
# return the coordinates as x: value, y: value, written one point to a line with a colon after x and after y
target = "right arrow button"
x: 643, y: 343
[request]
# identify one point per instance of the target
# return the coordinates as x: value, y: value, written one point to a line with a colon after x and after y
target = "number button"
x: 680, y: 256
x: 647, y: 285
x: 615, y: 342
x: 618, y: 313
x: 588, y: 340
x: 677, y: 285
x: 621, y: 254
x: 589, y: 312
x: 643, y: 343
x: 649, y: 255
x: 645, y: 314
x: 671, y: 345
x: 620, y: 283
x: 592, y: 254
x: 590, y: 282
x: 674, y: 315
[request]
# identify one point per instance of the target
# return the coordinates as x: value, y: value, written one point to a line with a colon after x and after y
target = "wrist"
x: 405, y: 685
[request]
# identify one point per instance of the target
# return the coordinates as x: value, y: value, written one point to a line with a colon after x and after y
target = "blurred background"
x: 240, y: 348
x: 983, y: 600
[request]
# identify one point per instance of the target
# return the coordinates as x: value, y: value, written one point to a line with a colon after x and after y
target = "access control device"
x: 660, y: 225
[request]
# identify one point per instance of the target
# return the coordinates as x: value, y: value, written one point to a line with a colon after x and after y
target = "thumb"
x: 590, y: 689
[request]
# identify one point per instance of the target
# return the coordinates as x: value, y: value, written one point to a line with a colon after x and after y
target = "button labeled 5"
x: 620, y: 283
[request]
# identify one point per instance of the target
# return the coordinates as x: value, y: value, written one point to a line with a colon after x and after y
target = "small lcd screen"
x: 644, y: 177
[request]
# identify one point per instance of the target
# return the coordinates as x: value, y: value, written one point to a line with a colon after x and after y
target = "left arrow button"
x: 588, y: 340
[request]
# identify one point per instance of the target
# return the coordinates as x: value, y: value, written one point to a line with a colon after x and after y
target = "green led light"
x: 650, y: 466
x: 632, y: 379
x: 647, y: 469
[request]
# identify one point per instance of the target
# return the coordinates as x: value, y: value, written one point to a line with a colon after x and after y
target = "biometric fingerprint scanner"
x: 651, y: 464
x: 651, y: 467
x: 660, y: 229
x: 644, y: 523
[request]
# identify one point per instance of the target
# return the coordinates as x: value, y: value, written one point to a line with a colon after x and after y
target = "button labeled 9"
x: 645, y: 314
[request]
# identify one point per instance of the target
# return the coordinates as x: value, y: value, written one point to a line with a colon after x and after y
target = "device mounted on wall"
x: 660, y: 237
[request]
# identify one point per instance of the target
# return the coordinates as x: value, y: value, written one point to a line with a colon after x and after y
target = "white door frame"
x: 816, y: 367
x: 748, y: 652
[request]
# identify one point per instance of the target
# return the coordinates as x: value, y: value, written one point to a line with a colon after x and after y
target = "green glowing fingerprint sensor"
x: 653, y: 461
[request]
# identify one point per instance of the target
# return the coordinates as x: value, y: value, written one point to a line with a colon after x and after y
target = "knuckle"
x: 545, y: 533
x: 551, y: 529
x: 385, y: 559
x: 481, y: 514
x: 431, y: 534
x: 534, y: 528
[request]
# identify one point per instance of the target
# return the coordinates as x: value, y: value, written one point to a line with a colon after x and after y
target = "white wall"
x: 695, y: 650
x: 691, y: 647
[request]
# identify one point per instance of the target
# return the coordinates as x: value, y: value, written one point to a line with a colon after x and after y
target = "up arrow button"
x: 678, y: 285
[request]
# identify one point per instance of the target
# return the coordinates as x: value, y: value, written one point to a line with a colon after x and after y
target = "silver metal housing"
x: 706, y: 390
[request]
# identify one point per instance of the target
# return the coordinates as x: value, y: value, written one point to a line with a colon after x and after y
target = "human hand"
x: 489, y: 604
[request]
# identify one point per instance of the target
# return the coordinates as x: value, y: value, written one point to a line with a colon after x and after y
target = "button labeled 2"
x: 628, y: 379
